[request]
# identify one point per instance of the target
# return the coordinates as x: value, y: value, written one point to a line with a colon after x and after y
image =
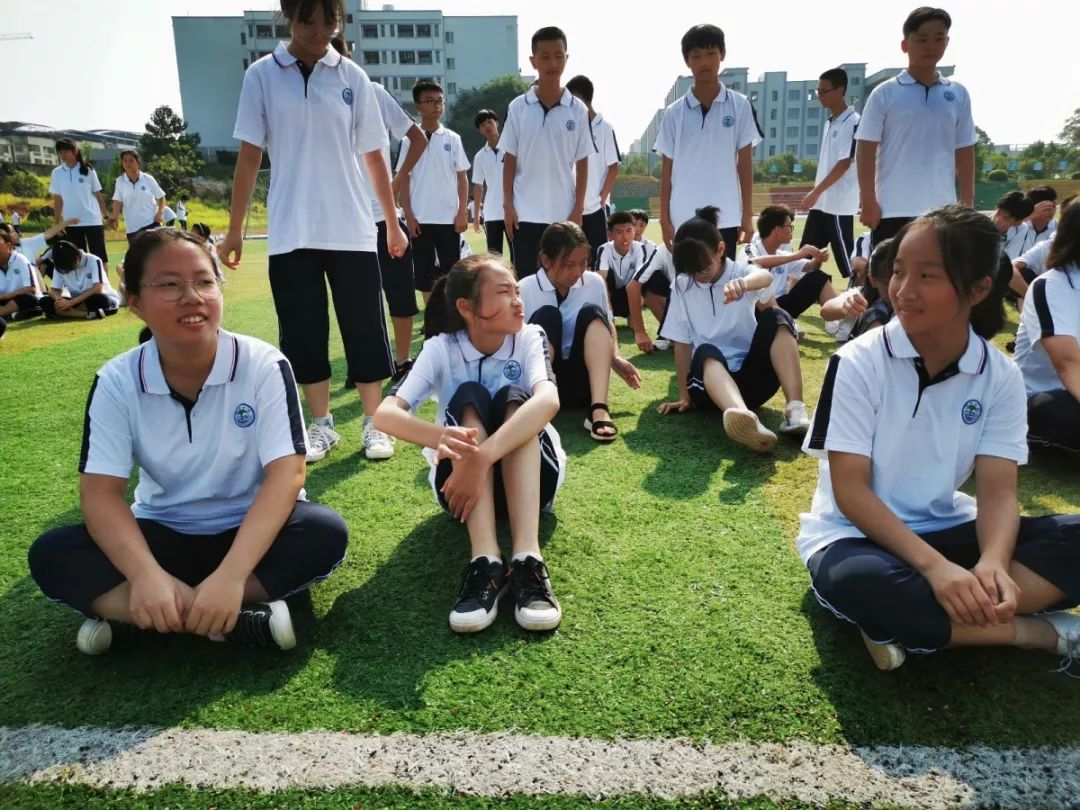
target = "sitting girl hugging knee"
x: 907, y: 412
x: 570, y: 303
x: 731, y: 351
x: 492, y: 447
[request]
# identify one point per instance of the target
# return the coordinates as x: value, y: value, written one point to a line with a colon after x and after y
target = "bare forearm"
x: 379, y: 174
x: 682, y: 368
x: 417, y: 144
x: 833, y: 176
x: 746, y: 179
x: 665, y: 191
x: 965, y: 174
x: 866, y: 169
x: 247, y: 172
x: 609, y: 183
x: 463, y: 192
x: 509, y: 171
x: 581, y: 188
x: 112, y: 526
x: 525, y: 423
x: 394, y: 418
x: 633, y: 301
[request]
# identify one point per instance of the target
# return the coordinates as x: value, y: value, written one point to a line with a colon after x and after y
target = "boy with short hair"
x: 547, y: 145
x: 706, y: 140
x: 916, y: 136
x: 487, y: 174
x: 603, y: 166
x: 434, y: 194
x: 622, y: 262
x: 834, y: 200
x: 19, y: 288
x: 641, y: 222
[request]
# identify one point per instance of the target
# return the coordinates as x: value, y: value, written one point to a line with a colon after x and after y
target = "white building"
x: 395, y: 47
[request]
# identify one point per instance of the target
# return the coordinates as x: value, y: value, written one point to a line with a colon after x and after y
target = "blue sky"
x: 88, y: 67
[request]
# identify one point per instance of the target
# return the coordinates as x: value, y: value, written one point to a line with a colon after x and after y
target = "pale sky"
x: 108, y: 65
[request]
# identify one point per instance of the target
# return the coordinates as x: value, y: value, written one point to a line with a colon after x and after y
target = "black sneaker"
x: 535, y: 605
x: 401, y: 369
x: 478, y: 600
x: 264, y: 624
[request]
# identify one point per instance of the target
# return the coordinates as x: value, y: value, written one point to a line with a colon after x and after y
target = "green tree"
x: 494, y: 95
x: 635, y: 164
x: 23, y: 184
x: 984, y: 149
x: 169, y: 152
x: 1070, y: 133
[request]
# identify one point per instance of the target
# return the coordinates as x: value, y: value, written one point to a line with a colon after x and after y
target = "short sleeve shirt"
x: 77, y: 191
x: 838, y: 143
x: 398, y: 123
x: 18, y: 275
x: 139, y: 200
x: 537, y: 292
x: 624, y: 267
x: 488, y: 171
x: 1051, y: 309
x: 433, y: 187
x: 605, y: 155
x: 87, y: 273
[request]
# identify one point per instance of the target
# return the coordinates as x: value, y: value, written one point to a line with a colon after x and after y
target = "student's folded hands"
x: 463, y: 488
x: 456, y: 443
x: 159, y: 601
x: 215, y: 605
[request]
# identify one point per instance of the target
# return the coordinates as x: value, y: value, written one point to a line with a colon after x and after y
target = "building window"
x: 264, y: 31
x: 813, y: 112
x: 371, y: 57
x: 436, y: 27
x: 449, y: 37
x: 251, y: 30
x: 772, y: 132
x: 793, y: 95
x: 793, y: 112
x: 450, y: 63
x: 811, y: 149
x: 245, y: 64
x: 810, y: 95
x: 281, y: 31
x: 349, y: 19
x: 369, y: 31
x: 393, y: 57
x: 423, y: 57
x: 855, y: 80
x: 811, y: 132
x: 392, y: 29
x: 451, y: 88
x: 382, y: 30
x: 854, y: 101
x: 438, y: 56
x: 792, y: 132
x: 753, y: 96
x: 736, y: 86
x: 423, y: 29
x: 406, y: 57
x: 772, y: 151
x: 405, y: 31
x: 243, y: 38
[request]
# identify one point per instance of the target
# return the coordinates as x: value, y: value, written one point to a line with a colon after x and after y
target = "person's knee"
x: 47, y: 557
x: 326, y: 538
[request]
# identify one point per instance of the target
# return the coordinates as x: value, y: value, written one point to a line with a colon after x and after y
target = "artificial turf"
x: 687, y: 611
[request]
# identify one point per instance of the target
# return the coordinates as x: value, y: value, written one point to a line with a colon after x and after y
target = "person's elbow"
x: 548, y: 394
x: 383, y: 417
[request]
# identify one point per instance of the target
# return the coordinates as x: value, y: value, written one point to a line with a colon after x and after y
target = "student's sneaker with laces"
x: 661, y: 344
x: 744, y: 427
x: 401, y: 368
x: 377, y: 445
x: 264, y: 624
x: 796, y: 421
x: 321, y: 440
x: 535, y: 605
x: 843, y: 329
x: 1067, y: 626
x: 886, y: 657
x: 477, y: 604
x: 95, y: 315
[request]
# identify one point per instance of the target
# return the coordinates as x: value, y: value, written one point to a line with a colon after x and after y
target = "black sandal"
x: 592, y: 425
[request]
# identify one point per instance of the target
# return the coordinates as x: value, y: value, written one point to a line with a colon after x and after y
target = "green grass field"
x: 687, y: 611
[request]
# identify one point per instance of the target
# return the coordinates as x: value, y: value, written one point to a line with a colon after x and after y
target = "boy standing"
x: 916, y: 137
x: 434, y: 194
x: 547, y: 145
x: 706, y: 140
x: 603, y: 167
x: 835, y: 197
x: 487, y: 171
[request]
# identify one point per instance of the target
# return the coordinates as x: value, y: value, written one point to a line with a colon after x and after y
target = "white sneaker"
x: 661, y: 344
x: 843, y: 330
x: 94, y: 638
x: 796, y: 421
x: 321, y: 439
x: 745, y: 428
x: 377, y: 445
x: 1067, y: 626
x: 886, y: 657
x: 832, y: 327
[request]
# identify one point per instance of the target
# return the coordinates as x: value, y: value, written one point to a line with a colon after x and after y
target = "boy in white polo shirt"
x: 19, y: 289
x: 834, y: 200
x: 706, y: 141
x: 82, y: 276
x: 603, y: 167
x: 487, y: 181
x: 435, y: 193
x: 547, y: 143
x: 916, y: 136
x: 138, y: 196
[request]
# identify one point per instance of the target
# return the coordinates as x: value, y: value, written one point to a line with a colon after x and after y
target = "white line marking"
x: 498, y: 764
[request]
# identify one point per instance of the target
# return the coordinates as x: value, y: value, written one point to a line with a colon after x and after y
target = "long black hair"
x: 696, y: 242
x: 68, y: 144
x: 1065, y: 249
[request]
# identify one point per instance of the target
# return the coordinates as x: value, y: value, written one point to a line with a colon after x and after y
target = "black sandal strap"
x: 596, y: 405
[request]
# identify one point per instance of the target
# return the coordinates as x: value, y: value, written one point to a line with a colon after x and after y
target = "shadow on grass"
x: 395, y: 624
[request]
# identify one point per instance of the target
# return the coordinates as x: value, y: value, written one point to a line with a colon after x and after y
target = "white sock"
x: 487, y: 557
x: 793, y: 403
x: 526, y: 554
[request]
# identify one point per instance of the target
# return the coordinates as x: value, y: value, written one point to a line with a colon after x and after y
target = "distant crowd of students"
x: 915, y: 399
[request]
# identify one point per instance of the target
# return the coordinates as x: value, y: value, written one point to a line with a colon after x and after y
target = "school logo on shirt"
x: 729, y: 121
x: 82, y: 179
x: 570, y: 126
x: 446, y: 147
x: 244, y: 415
x: 835, y: 132
x: 512, y: 370
x: 971, y: 411
x: 949, y: 95
x: 347, y: 95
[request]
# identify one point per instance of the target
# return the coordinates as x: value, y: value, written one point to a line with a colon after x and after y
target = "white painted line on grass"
x: 506, y: 763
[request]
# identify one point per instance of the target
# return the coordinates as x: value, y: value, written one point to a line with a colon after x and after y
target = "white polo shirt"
x: 488, y: 170
x: 657, y: 260
x: 1051, y: 309
x: 536, y: 292
x: 433, y: 188
x: 605, y: 155
x: 77, y: 191
x: 838, y: 143
x: 87, y: 273
x: 1031, y: 237
x: 922, y: 436
x: 697, y: 314
x: 918, y: 130
x: 139, y: 198
x: 703, y: 146
x: 624, y: 266
x: 548, y: 143
x: 19, y: 274
x: 783, y: 273
x: 863, y: 246
x: 1035, y: 258
x: 200, y: 464
x: 31, y: 246
x: 315, y: 131
x: 397, y: 123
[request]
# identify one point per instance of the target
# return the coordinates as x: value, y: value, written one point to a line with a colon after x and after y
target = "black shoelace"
x: 252, y: 627
x: 479, y: 584
x: 531, y: 582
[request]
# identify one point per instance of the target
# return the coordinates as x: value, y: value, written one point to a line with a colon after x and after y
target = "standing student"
x: 220, y: 531
x: 492, y: 447
x: 487, y: 181
x: 906, y: 414
x: 20, y: 291
x: 435, y: 193
x: 547, y: 145
x: 181, y: 211
x: 16, y: 220
x: 570, y: 303
x: 334, y: 239
x: 603, y: 167
x: 834, y: 200
x: 706, y: 141
x: 83, y: 277
x: 77, y: 195
x: 916, y: 136
x: 1048, y: 342
x: 731, y: 351
x: 138, y: 197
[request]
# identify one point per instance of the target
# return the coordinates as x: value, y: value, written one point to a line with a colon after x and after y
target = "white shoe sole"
x: 743, y: 427
x: 281, y: 627
x: 794, y: 430
x: 311, y: 457
x: 467, y: 627
x: 886, y: 657
x: 378, y: 455
x: 537, y: 625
